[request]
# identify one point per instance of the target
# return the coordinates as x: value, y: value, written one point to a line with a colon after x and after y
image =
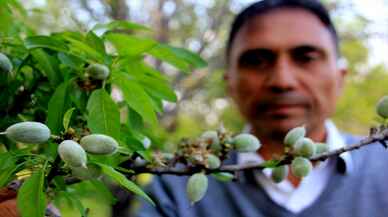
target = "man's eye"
x: 306, y: 58
x: 255, y: 60
x: 304, y: 55
x: 252, y: 61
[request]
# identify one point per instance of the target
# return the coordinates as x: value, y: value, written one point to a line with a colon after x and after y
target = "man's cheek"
x: 248, y: 106
x: 323, y: 104
x: 245, y: 86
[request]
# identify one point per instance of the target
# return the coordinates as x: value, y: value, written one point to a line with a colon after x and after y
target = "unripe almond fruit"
x: 245, y: 142
x: 279, y: 173
x: 382, y: 107
x: 99, y: 144
x: 321, y: 147
x: 294, y: 135
x: 72, y: 153
x: 301, y: 167
x: 211, y: 138
x: 305, y: 147
x: 98, y: 71
x: 213, y: 162
x: 5, y: 64
x: 28, y: 132
x: 196, y: 187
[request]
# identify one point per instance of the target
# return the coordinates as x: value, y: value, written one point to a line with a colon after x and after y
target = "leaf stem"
x: 55, y: 137
x: 123, y: 150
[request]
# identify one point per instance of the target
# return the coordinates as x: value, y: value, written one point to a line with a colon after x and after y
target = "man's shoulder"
x: 374, y: 148
x: 369, y: 159
x: 351, y: 138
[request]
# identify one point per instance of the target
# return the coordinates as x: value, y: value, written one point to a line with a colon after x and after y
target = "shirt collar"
x: 334, y: 140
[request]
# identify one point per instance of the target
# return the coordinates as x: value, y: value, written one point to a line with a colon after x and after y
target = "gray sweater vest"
x: 361, y: 193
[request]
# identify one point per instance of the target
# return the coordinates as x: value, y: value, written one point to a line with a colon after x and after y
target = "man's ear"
x: 226, y: 76
x: 341, y: 83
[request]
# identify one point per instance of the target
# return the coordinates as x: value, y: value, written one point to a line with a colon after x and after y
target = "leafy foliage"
x: 49, y: 83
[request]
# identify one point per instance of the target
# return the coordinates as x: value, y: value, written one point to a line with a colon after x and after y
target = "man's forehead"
x: 280, y: 28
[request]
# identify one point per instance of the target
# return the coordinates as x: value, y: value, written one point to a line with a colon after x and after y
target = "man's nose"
x: 282, y: 76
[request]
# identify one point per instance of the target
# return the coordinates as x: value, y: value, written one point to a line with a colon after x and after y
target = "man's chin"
x: 278, y: 126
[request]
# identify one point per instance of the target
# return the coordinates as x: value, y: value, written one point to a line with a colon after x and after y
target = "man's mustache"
x: 283, y: 99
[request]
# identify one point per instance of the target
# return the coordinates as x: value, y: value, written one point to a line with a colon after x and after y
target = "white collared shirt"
x: 310, y: 187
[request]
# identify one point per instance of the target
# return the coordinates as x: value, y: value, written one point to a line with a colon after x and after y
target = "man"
x: 283, y: 72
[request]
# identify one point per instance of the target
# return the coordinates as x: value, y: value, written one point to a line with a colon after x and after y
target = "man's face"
x: 282, y: 71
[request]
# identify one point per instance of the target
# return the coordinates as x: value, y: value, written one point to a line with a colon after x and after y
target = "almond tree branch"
x: 381, y: 137
x: 375, y: 138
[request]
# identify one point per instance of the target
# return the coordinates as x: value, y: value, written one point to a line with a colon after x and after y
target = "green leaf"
x: 67, y: 118
x: 123, y: 181
x: 45, y: 42
x: 182, y: 59
x: 69, y: 34
x: 82, y: 48
x: 18, y: 6
x: 134, y: 119
x: 136, y: 66
x: 5, y: 17
x: 136, y: 97
x: 151, y: 80
x: 7, y: 160
x: 57, y: 106
x: 112, y: 160
x: 79, y: 97
x: 49, y: 65
x: 270, y: 163
x: 104, y: 115
x: 8, y: 166
x: 31, y: 199
x: 70, y: 60
x: 223, y: 176
x: 120, y: 25
x: 59, y: 182
x: 74, y: 201
x: 50, y: 150
x: 128, y: 45
x: 146, y: 154
x: 6, y: 175
x: 155, y: 86
x: 156, y: 102
x: 95, y: 42
x: 130, y: 140
x: 77, y: 203
x: 159, y: 89
x: 103, y: 191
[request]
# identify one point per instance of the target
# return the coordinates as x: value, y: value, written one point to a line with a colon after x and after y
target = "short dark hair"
x: 264, y: 6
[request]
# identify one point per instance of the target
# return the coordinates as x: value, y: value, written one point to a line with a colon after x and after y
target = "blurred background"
x: 202, y: 26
